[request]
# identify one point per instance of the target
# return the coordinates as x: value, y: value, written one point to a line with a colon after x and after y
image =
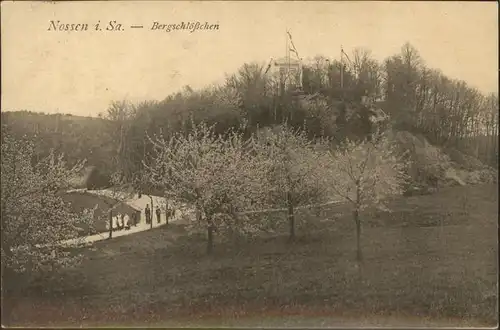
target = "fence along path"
x: 304, y: 207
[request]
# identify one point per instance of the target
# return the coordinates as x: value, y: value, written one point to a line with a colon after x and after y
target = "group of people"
x: 149, y: 216
x: 120, y: 221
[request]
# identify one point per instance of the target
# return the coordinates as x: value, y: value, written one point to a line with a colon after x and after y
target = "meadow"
x: 432, y: 261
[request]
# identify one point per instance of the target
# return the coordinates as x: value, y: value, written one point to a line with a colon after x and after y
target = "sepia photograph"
x: 249, y: 164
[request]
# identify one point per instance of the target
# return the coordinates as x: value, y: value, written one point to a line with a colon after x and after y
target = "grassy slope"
x: 416, y: 272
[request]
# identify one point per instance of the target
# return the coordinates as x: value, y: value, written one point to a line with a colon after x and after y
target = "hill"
x: 433, y: 166
x: 424, y: 263
x: 76, y: 136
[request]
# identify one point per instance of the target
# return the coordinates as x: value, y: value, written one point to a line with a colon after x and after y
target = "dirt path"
x: 140, y: 227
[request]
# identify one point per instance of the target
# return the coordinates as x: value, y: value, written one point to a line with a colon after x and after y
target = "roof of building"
x: 89, y: 175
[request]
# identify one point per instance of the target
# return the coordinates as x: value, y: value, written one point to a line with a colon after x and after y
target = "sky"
x: 82, y: 72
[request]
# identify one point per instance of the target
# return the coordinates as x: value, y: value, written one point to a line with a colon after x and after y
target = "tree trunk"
x: 210, y: 232
x: 10, y: 290
x: 359, y: 253
x: 291, y: 217
x: 110, y: 224
x: 7, y: 300
x: 152, y: 211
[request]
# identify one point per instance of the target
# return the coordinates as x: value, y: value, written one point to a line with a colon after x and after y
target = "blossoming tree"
x: 216, y: 175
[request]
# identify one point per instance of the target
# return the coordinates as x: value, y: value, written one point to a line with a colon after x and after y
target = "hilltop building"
x: 289, y: 71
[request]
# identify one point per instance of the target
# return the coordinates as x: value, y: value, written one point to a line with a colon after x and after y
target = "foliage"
x: 448, y: 111
x: 293, y: 175
x: 366, y: 173
x: 119, y: 120
x: 419, y: 99
x: 76, y: 137
x: 216, y: 174
x: 293, y: 166
x: 35, y: 220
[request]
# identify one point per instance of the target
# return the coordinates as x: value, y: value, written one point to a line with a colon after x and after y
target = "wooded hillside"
x: 422, y: 100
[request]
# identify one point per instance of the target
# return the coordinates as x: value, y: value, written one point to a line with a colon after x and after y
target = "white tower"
x: 288, y: 69
x: 290, y: 72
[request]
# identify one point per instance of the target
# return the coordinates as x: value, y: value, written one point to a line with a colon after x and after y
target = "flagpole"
x: 341, y: 67
x: 287, y: 55
x: 284, y: 73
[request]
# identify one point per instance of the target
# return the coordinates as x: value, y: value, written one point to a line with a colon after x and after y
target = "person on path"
x: 158, y: 214
x: 171, y: 212
x: 168, y: 213
x: 136, y: 217
x: 115, y: 223
x: 147, y: 211
x: 126, y: 221
x: 119, y: 221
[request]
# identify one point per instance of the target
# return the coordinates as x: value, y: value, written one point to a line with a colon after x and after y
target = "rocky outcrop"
x: 431, y: 167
